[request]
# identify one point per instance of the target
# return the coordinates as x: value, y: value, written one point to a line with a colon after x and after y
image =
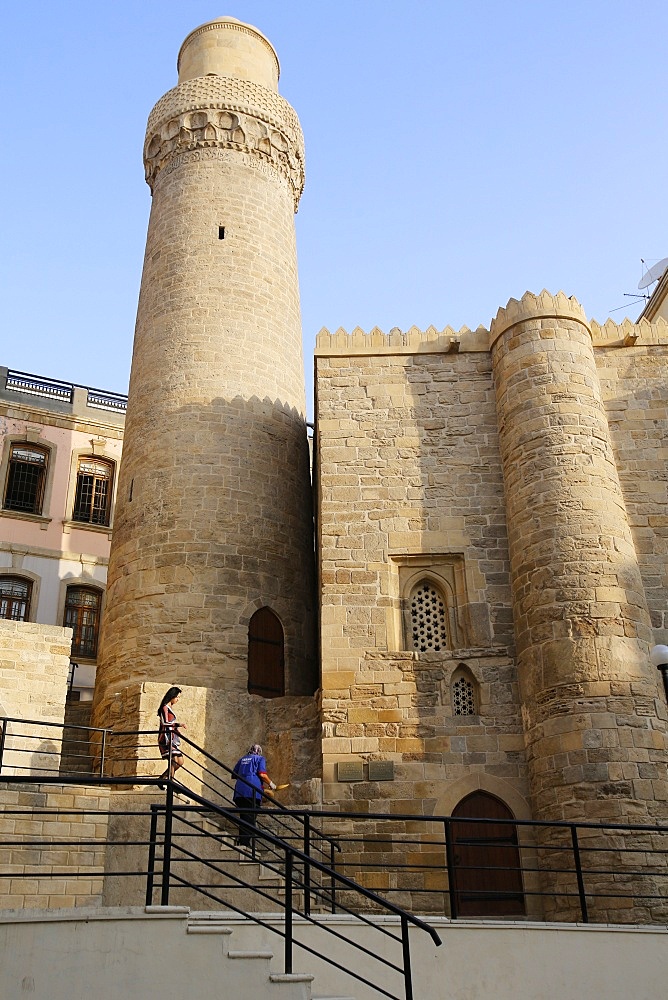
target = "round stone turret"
x: 595, y: 726
x: 214, y: 517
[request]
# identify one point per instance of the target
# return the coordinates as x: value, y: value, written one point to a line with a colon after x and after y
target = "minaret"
x: 213, y: 520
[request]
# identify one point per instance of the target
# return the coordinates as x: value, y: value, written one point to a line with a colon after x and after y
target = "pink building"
x: 60, y: 446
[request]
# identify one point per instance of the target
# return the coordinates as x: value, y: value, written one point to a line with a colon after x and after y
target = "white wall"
x: 109, y: 954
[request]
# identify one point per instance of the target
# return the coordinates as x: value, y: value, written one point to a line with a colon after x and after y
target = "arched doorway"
x: 488, y: 880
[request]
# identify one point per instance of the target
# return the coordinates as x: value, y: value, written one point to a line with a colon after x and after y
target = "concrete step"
x: 290, y: 986
x: 257, y: 979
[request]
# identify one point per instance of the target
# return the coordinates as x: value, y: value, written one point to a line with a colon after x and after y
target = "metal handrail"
x: 320, y: 813
x: 163, y: 867
x: 293, y: 855
x: 568, y: 850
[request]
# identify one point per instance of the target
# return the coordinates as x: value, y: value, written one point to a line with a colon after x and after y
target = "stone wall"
x: 633, y: 388
x: 34, y: 666
x: 409, y: 482
x: 223, y: 724
x: 591, y: 706
x: 36, y: 875
x: 424, y: 451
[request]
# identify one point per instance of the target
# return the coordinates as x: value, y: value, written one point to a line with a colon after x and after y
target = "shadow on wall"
x: 287, y: 728
x: 221, y: 505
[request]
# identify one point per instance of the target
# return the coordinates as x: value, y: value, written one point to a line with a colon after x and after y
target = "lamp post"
x: 659, y: 657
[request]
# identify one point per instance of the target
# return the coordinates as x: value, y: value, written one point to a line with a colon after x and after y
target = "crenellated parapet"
x: 212, y: 113
x: 628, y: 333
x: 535, y: 307
x: 544, y: 306
x: 413, y: 341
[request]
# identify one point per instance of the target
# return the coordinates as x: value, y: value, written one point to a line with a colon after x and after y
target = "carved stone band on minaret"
x: 226, y: 113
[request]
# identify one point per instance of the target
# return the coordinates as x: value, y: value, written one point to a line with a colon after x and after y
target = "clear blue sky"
x: 458, y: 154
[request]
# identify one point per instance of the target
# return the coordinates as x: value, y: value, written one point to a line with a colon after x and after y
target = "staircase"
x: 247, y: 974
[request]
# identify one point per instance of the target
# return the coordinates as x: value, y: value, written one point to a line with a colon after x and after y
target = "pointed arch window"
x: 428, y: 618
x: 15, y: 598
x: 266, y: 655
x: 464, y: 692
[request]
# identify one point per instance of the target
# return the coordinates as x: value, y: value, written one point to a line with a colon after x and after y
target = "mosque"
x: 443, y: 602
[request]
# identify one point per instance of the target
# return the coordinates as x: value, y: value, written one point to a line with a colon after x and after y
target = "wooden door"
x: 488, y: 880
x: 266, y: 658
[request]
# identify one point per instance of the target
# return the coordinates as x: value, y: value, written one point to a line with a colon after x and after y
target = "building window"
x: 463, y: 689
x: 429, y: 622
x: 92, y: 500
x: 82, y: 614
x: 266, y: 657
x: 14, y: 598
x: 26, y: 478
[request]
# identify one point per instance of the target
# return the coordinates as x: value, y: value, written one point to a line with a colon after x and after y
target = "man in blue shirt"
x: 251, y: 774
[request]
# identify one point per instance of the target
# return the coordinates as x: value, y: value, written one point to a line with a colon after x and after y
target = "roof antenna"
x: 654, y: 273
x: 650, y: 275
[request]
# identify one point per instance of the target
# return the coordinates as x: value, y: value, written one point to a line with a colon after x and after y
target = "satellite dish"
x: 655, y: 272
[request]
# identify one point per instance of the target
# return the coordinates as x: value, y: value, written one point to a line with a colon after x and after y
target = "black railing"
x: 175, y: 838
x: 33, y: 748
x: 289, y: 864
x: 453, y: 866
x: 176, y: 850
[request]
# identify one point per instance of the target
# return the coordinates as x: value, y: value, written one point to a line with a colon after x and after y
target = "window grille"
x: 266, y: 657
x: 463, y: 697
x: 92, y: 501
x: 82, y: 614
x: 14, y: 598
x: 25, y: 479
x: 428, y: 619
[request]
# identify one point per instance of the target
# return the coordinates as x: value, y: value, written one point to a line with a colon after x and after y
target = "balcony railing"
x: 49, y: 388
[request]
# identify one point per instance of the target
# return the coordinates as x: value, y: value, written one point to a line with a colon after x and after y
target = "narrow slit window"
x: 221, y: 232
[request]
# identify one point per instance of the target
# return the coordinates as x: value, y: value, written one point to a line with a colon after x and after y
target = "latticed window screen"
x: 82, y: 614
x: 93, y: 495
x: 25, y: 479
x: 463, y: 697
x: 428, y: 619
x: 14, y: 598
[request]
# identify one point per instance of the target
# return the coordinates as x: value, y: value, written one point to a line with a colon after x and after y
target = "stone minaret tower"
x: 213, y: 519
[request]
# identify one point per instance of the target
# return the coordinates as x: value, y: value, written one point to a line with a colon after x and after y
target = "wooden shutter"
x: 266, y: 657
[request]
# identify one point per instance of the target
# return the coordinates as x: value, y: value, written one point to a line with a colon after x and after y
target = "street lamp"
x: 659, y: 657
